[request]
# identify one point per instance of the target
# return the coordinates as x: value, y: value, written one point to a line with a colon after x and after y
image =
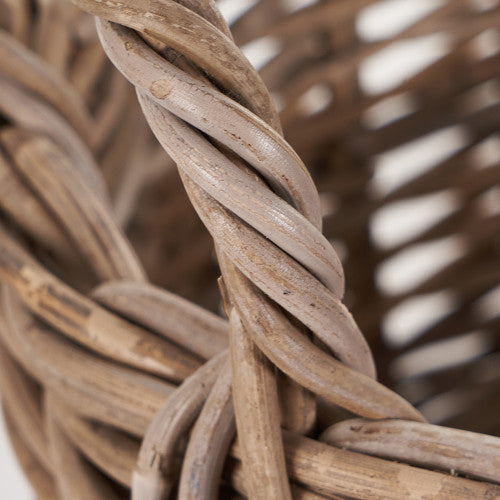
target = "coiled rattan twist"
x: 282, y: 286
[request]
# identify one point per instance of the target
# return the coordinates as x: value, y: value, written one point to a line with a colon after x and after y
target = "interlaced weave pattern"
x: 114, y: 386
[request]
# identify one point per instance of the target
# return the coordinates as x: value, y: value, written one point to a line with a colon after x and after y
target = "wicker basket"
x: 112, y: 386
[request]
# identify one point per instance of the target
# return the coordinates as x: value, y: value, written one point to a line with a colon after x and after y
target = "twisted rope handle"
x: 259, y: 203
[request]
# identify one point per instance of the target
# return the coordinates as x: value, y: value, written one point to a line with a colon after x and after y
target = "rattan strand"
x: 112, y: 386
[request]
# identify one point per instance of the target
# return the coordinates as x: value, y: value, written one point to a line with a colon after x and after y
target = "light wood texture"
x: 140, y: 150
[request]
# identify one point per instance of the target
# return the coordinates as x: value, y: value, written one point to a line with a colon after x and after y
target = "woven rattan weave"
x: 128, y: 367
